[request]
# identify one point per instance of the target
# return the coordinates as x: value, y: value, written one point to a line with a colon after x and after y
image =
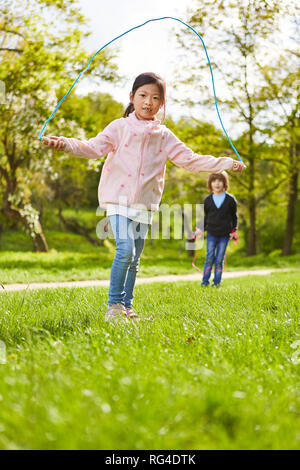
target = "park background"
x: 49, y: 216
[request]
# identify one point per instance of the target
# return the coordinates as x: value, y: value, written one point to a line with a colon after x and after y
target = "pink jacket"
x: 134, y: 171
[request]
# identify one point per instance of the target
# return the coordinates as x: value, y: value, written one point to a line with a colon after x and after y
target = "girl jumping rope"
x: 132, y: 179
x: 220, y: 223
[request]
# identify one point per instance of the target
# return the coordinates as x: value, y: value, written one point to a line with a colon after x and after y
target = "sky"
x: 149, y: 48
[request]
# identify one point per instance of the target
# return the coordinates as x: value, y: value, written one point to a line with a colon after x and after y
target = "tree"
x: 282, y: 94
x: 41, y: 55
x: 239, y: 33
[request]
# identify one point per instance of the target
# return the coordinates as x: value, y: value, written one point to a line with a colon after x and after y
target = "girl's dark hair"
x: 146, y: 79
x: 218, y: 176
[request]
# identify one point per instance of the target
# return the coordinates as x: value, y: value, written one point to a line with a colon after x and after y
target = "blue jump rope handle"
x: 123, y: 34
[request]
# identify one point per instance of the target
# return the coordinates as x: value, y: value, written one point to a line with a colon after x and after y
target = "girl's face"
x: 217, y: 186
x: 147, y: 101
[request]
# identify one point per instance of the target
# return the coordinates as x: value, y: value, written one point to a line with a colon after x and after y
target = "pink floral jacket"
x: 134, y: 171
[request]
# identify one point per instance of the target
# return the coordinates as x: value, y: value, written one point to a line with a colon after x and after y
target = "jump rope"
x: 234, y: 238
x: 123, y: 34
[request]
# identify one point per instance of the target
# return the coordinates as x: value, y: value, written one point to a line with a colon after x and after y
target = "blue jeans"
x: 130, y: 240
x: 215, y: 254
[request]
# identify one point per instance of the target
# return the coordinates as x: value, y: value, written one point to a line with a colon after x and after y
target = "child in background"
x: 220, y: 223
x: 132, y: 179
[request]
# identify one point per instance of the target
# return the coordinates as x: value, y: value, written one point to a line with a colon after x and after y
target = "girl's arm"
x: 105, y: 142
x: 184, y: 157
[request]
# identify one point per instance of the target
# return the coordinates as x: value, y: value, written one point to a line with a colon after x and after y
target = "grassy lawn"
x: 72, y: 258
x: 215, y: 369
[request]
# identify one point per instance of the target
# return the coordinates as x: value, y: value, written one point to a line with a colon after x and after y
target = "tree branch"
x: 4, y: 173
x: 271, y: 190
x: 233, y: 97
x: 20, y: 51
x: 241, y: 182
x: 271, y: 84
x: 9, y: 31
x: 276, y: 161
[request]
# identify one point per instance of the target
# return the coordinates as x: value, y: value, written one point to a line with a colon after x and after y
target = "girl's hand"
x: 198, y: 232
x: 238, y: 166
x: 234, y: 236
x: 55, y: 142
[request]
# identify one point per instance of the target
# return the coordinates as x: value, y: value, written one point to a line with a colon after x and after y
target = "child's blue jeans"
x: 215, y: 254
x: 130, y: 240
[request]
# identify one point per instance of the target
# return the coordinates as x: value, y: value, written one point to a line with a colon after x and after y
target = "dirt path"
x: 145, y: 280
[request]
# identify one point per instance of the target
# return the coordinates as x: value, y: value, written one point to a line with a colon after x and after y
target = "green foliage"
x: 40, y: 58
x: 203, y: 138
x: 259, y: 74
x: 92, y: 112
x: 40, y: 55
x: 76, y: 180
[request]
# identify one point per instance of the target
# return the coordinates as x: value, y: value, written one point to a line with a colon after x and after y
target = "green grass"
x: 72, y: 258
x: 215, y: 369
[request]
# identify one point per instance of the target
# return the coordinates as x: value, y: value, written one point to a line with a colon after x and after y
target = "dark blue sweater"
x: 220, y: 222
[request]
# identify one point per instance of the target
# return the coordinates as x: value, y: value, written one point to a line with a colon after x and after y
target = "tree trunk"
x: 14, y: 212
x: 38, y: 239
x: 252, y: 229
x: 252, y: 199
x: 289, y: 227
x: 292, y: 193
x: 39, y: 242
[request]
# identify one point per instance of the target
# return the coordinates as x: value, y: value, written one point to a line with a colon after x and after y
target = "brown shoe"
x: 116, y: 312
x: 131, y: 314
